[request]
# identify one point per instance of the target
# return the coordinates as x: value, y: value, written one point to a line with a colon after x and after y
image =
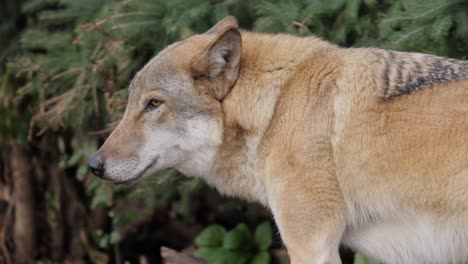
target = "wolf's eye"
x: 154, y: 103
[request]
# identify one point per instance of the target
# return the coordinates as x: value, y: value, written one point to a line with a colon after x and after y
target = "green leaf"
x: 226, y: 256
x: 207, y: 254
x: 81, y: 172
x: 103, y: 194
x: 74, y: 159
x: 360, y: 259
x: 263, y: 235
x: 261, y: 258
x: 212, y: 236
x: 114, y: 237
x: 238, y: 238
x: 62, y: 164
x: 104, y: 241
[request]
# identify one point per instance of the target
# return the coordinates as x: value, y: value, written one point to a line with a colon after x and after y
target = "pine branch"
x: 407, y: 35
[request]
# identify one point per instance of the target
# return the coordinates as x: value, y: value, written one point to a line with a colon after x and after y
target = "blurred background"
x: 64, y: 70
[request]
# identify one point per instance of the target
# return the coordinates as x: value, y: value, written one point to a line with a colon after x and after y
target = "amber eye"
x: 154, y: 103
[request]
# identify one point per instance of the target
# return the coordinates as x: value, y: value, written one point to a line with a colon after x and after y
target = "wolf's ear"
x: 224, y: 23
x: 219, y: 63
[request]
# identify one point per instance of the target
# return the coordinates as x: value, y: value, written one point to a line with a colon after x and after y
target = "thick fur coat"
x: 360, y: 146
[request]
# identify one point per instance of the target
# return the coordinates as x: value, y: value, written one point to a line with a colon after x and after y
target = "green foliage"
x: 263, y: 235
x: 212, y: 236
x: 360, y: 259
x: 104, y: 240
x: 439, y: 27
x: 216, y: 245
x: 342, y: 22
x: 238, y: 238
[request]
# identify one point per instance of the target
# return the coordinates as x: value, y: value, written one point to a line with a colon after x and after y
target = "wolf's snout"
x: 96, y: 165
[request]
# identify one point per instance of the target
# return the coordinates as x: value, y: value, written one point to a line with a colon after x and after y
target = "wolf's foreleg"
x: 309, y: 210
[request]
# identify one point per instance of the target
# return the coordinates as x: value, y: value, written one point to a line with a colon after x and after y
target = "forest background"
x: 64, y: 69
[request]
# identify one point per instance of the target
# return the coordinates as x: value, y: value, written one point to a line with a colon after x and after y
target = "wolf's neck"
x: 268, y: 63
x: 271, y: 53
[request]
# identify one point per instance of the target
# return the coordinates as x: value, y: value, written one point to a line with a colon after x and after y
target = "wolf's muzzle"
x: 96, y: 165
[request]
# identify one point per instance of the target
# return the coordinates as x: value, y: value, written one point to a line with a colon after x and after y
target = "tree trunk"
x: 56, y: 218
x: 75, y: 222
x: 24, y: 229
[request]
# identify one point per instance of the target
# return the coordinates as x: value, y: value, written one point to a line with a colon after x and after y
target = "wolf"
x: 363, y: 147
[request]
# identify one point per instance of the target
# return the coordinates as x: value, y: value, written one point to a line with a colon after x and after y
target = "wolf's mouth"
x: 141, y: 175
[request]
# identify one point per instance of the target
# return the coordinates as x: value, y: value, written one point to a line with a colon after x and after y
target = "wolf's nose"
x: 96, y: 165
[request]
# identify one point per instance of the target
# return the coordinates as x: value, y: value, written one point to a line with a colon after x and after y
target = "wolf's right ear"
x: 224, y: 23
x: 219, y: 63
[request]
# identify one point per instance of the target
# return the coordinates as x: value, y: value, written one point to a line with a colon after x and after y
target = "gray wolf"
x: 360, y: 146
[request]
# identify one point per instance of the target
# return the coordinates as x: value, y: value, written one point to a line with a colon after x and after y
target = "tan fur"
x: 329, y: 140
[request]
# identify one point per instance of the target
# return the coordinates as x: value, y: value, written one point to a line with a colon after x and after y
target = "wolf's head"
x: 173, y: 117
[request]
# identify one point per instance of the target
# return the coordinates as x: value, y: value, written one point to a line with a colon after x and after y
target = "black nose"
x: 96, y: 165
